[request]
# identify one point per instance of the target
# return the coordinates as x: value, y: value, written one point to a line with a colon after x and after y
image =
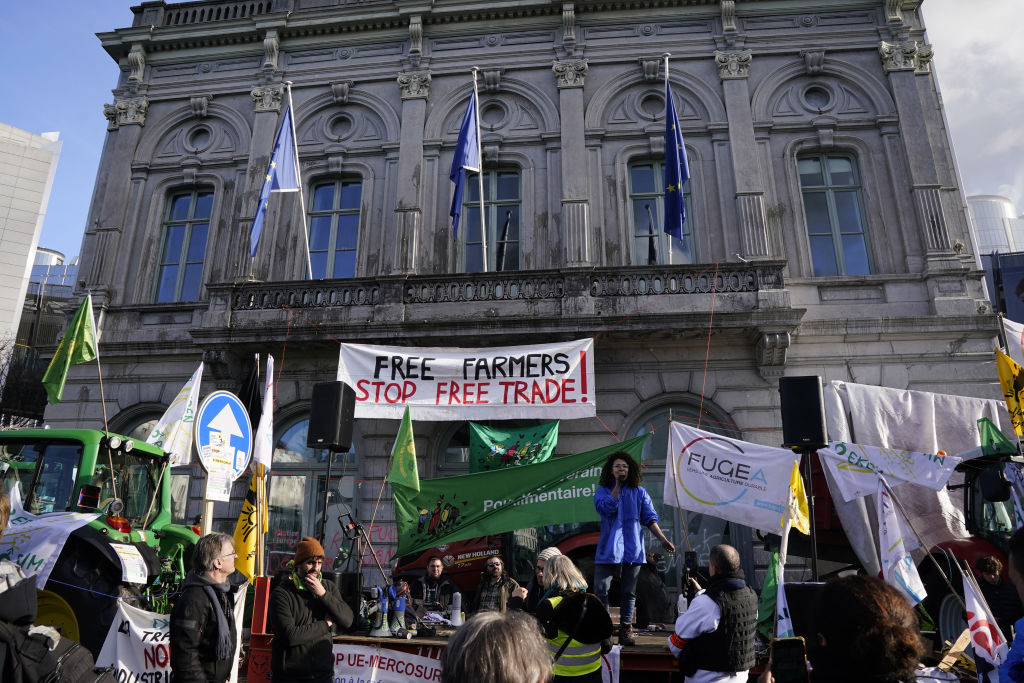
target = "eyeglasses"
x: 539, y: 568
x: 494, y: 564
x: 231, y: 554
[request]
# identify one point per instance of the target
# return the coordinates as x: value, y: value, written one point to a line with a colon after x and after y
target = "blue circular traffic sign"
x: 223, y: 421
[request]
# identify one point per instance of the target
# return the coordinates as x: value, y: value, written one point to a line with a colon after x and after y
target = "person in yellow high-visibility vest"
x: 576, y: 625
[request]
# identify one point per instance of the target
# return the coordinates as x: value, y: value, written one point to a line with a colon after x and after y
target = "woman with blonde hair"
x: 575, y: 623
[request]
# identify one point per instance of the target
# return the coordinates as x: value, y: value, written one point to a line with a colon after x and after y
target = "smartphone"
x: 789, y: 660
x: 690, y: 559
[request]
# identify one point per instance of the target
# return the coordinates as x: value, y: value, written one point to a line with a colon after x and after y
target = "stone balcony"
x: 746, y: 301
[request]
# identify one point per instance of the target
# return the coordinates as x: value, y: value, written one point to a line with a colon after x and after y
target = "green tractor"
x: 129, y: 484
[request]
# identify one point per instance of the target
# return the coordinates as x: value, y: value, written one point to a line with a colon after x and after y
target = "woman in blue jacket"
x: 625, y: 507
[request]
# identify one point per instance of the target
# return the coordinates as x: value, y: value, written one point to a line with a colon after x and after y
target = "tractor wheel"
x: 90, y: 586
x: 55, y: 611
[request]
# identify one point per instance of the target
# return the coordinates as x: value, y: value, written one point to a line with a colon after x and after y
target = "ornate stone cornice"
x: 137, y: 63
x: 271, y: 48
x: 199, y: 104
x: 908, y: 55
x: 569, y: 27
x: 340, y: 90
x: 893, y: 12
x: 126, y: 112
x: 729, y: 15
x: 267, y: 97
x: 414, y: 84
x: 814, y: 61
x: 570, y: 73
x: 735, y: 64
x: 415, y: 39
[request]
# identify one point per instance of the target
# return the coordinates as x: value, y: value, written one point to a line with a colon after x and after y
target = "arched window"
x: 502, y: 204
x: 647, y: 206
x: 833, y: 207
x: 182, y: 251
x: 296, y: 494
x: 334, y: 227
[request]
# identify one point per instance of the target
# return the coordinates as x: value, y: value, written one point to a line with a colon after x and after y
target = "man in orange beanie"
x: 303, y: 612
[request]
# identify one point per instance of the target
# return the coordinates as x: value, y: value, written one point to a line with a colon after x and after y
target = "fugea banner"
x: 450, y: 509
x: 727, y: 478
x: 539, y: 381
x: 856, y: 468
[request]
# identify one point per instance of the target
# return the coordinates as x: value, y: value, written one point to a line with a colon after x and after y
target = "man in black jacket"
x: 303, y: 612
x: 203, y: 631
x: 433, y: 591
x: 714, y: 639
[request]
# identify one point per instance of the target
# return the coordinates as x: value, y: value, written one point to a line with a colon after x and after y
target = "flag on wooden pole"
x: 77, y: 346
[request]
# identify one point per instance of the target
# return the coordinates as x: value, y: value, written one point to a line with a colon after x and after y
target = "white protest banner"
x: 727, y: 478
x: 989, y: 642
x: 33, y: 542
x: 173, y: 431
x: 138, y: 645
x: 1014, y: 340
x: 540, y: 381
x: 856, y: 468
x: 354, y: 663
x: 898, y: 567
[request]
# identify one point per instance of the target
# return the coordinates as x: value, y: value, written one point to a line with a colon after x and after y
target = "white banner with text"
x: 539, y: 381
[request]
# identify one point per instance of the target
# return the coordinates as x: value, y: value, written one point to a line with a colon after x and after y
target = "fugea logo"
x: 740, y: 477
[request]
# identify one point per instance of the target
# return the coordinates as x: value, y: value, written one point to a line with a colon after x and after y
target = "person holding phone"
x: 866, y: 633
x: 625, y: 508
x: 714, y: 639
x: 303, y: 612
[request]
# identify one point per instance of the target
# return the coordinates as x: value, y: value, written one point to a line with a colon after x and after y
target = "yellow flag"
x: 1011, y: 378
x: 247, y: 530
x: 798, y: 511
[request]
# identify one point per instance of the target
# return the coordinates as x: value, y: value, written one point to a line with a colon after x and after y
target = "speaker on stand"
x: 330, y: 426
x: 803, y: 430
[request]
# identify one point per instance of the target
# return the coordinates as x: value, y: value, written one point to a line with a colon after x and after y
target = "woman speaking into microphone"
x: 625, y: 507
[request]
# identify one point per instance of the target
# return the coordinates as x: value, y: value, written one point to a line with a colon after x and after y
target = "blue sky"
x: 57, y: 78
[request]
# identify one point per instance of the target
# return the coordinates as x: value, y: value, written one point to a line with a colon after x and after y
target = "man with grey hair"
x: 203, y: 631
x: 714, y: 639
x: 496, y: 647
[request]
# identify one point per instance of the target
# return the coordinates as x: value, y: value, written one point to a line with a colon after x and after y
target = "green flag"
x: 492, y: 448
x: 766, y: 603
x: 77, y: 346
x: 558, y: 491
x: 404, y: 472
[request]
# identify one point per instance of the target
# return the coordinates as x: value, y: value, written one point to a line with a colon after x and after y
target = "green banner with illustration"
x: 494, y: 448
x: 558, y: 491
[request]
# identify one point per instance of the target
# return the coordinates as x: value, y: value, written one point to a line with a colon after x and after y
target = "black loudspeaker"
x: 802, y: 598
x: 330, y: 416
x: 350, y: 585
x: 803, y: 412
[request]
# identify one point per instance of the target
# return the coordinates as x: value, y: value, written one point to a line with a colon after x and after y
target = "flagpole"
x: 666, y: 55
x: 480, y: 173
x: 780, y: 568
x: 920, y: 540
x: 298, y: 177
x: 1004, y: 341
x: 103, y: 400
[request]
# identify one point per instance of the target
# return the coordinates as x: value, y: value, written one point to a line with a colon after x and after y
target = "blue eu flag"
x: 281, y: 177
x: 677, y: 171
x: 467, y: 158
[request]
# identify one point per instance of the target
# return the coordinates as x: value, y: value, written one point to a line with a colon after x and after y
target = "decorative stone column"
x: 415, y: 87
x: 575, y: 203
x: 903, y: 62
x: 733, y: 70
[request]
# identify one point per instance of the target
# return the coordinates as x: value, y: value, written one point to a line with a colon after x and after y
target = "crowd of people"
x: 554, y: 628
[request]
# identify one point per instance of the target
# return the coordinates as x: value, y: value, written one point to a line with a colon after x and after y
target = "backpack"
x: 27, y: 658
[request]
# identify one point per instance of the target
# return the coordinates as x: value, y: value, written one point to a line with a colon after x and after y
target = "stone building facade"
x: 825, y: 235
